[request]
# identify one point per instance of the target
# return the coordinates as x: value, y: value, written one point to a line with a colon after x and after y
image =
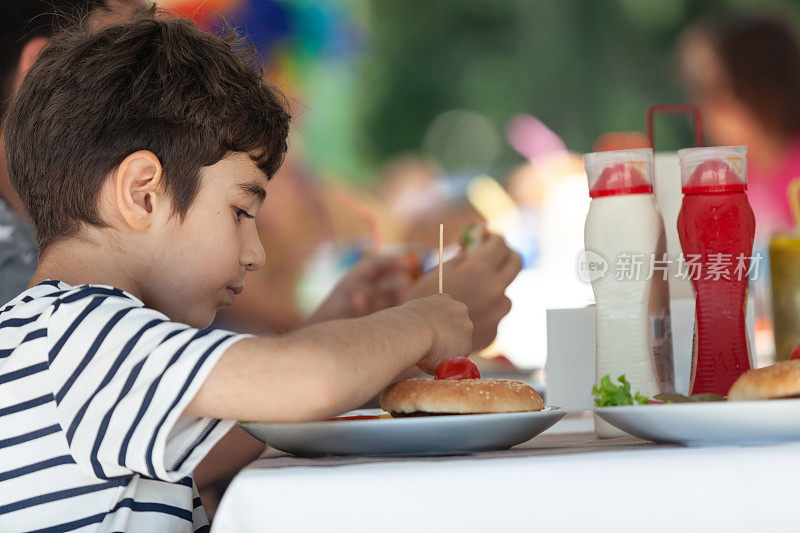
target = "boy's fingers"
x: 427, y: 369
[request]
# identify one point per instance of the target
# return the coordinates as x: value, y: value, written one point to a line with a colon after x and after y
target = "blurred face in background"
x: 29, y: 44
x: 727, y: 120
x: 109, y: 13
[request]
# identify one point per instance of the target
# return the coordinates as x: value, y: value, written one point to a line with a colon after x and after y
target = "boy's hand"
x: 450, y: 325
x: 374, y: 283
x: 479, y: 279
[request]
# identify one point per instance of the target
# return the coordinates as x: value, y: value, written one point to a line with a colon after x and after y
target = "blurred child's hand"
x: 374, y: 283
x: 479, y: 279
x: 451, y: 326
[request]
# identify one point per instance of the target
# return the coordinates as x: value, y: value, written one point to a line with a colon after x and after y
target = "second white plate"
x: 709, y: 423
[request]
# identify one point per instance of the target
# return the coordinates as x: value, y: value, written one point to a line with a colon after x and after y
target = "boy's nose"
x: 253, y: 255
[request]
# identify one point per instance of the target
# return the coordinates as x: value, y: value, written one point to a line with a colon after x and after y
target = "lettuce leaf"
x: 470, y: 236
x: 608, y: 394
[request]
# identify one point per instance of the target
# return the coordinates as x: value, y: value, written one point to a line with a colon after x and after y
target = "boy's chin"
x: 200, y: 319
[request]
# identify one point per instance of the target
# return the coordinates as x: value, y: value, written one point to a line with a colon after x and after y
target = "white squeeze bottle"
x: 624, y: 227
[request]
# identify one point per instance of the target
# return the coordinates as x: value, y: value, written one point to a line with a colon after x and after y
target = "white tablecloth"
x: 569, y: 482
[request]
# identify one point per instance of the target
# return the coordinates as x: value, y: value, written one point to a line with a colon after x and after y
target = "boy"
x: 142, y: 153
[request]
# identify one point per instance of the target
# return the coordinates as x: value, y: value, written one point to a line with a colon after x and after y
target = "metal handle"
x: 673, y: 109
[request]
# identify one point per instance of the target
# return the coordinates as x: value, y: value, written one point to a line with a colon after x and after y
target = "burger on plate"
x: 781, y: 380
x: 459, y: 390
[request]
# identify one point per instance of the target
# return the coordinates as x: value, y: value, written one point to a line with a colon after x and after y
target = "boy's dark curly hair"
x: 156, y: 83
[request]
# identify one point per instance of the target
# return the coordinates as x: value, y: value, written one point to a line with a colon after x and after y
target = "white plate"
x: 424, y: 435
x: 709, y: 423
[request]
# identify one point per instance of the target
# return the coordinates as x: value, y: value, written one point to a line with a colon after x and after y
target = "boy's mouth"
x: 233, y: 291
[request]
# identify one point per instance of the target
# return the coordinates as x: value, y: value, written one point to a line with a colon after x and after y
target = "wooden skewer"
x: 441, y: 246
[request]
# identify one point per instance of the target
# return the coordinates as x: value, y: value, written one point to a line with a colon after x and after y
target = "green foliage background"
x: 584, y: 67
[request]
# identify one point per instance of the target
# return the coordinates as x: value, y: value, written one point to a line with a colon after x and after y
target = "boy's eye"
x: 242, y: 213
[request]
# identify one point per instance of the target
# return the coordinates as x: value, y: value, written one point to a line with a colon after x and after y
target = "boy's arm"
x: 332, y: 367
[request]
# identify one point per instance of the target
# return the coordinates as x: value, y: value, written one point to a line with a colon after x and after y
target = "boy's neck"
x: 75, y: 261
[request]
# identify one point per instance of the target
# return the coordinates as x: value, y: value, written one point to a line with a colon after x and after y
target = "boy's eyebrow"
x: 253, y: 189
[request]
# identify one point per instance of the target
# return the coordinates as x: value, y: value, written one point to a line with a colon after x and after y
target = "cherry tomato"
x: 795, y: 353
x: 457, y: 368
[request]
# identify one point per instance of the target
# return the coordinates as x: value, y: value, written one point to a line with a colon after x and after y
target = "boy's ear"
x: 138, y: 191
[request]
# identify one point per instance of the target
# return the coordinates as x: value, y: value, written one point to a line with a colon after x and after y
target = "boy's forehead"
x: 239, y: 171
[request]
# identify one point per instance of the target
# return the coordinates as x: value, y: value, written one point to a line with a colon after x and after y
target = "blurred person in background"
x: 417, y: 196
x: 25, y: 27
x: 411, y: 188
x: 744, y: 73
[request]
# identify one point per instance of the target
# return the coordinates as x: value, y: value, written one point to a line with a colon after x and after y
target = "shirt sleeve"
x: 122, y: 376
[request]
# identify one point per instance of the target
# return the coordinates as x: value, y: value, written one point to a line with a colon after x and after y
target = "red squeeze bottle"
x: 716, y: 227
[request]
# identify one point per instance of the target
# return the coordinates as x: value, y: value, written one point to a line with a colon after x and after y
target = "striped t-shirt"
x: 92, y: 390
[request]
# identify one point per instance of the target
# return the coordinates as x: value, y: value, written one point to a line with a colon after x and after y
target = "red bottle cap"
x: 619, y: 172
x: 713, y: 170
